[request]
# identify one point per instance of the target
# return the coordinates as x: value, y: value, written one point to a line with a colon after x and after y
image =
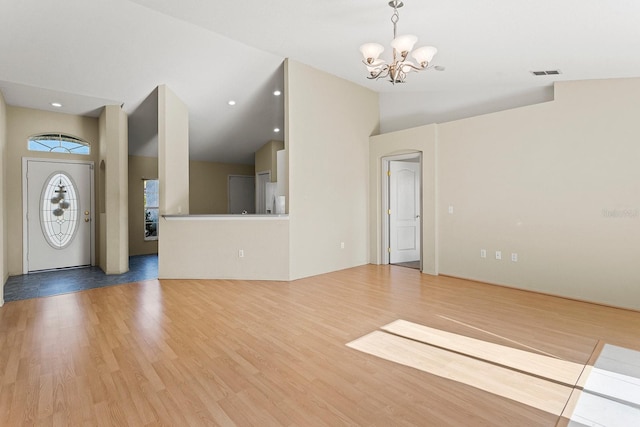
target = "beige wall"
x: 140, y: 168
x: 4, y: 271
x: 173, y: 153
x: 329, y: 122
x: 558, y: 184
x: 21, y: 124
x: 266, y: 159
x: 203, y: 248
x: 209, y: 184
x: 207, y: 194
x: 114, y: 223
x: 416, y: 140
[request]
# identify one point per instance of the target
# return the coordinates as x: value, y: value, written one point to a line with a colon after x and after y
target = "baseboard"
x: 550, y: 294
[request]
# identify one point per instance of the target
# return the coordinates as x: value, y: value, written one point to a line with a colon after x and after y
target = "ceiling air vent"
x: 546, y: 73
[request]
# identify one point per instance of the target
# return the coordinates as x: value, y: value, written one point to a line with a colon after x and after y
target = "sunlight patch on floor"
x: 607, y: 394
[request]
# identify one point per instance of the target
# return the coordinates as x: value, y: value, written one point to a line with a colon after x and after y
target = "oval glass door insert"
x: 59, y: 210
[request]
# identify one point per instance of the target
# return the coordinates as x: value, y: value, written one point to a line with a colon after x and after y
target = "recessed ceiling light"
x: 231, y: 102
x: 276, y: 130
x: 56, y: 104
x: 277, y: 92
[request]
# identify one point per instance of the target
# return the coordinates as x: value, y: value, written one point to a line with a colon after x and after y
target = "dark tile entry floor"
x: 35, y: 285
x: 409, y: 264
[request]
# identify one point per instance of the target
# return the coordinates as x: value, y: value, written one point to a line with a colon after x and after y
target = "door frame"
x: 384, y: 205
x: 260, y: 190
x: 25, y: 206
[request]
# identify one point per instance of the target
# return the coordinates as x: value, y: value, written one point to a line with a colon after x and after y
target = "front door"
x: 58, y: 214
x: 404, y: 211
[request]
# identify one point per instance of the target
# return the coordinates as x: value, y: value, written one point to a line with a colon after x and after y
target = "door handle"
x: 87, y: 219
x: 417, y: 216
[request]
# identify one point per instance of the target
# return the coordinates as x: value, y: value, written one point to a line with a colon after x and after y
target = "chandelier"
x: 400, y: 66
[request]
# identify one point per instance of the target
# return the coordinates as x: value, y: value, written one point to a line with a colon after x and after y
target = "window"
x: 59, y: 210
x: 151, y: 209
x: 58, y: 143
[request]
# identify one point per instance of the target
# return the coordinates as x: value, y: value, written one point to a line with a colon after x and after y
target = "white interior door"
x: 58, y: 214
x: 404, y: 211
x: 242, y: 194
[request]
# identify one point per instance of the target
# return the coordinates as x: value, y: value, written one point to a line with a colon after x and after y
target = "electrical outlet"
x: 341, y: 245
x: 240, y: 253
x: 498, y: 255
x: 483, y: 253
x: 450, y: 209
x: 514, y: 257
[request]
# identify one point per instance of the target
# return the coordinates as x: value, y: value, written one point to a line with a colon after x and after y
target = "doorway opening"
x: 402, y: 210
x: 242, y: 194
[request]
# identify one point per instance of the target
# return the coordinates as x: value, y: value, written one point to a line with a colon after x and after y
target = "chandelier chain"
x: 394, y: 19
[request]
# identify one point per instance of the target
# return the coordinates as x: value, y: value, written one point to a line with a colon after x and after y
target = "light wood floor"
x: 188, y: 353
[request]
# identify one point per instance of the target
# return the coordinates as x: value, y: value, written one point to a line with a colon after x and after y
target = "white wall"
x: 4, y: 271
x: 416, y: 140
x: 207, y: 247
x: 448, y: 105
x: 558, y: 184
x: 173, y: 174
x: 328, y: 125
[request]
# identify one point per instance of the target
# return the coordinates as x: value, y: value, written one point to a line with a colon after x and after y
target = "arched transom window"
x: 58, y: 143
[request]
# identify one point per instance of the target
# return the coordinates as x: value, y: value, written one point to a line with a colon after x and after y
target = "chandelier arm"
x: 413, y: 67
x: 427, y: 67
x: 384, y: 72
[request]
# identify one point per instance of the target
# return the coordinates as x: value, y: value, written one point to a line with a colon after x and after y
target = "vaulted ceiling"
x: 85, y: 54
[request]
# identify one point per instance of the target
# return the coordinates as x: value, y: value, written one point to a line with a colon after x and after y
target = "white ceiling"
x: 89, y: 53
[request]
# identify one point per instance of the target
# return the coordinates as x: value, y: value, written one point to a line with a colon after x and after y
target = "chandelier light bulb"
x: 423, y: 55
x: 404, y: 44
x: 371, y: 52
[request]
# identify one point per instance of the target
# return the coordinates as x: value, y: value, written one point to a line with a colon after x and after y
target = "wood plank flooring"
x: 532, y: 391
x: 219, y: 352
x: 543, y: 366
